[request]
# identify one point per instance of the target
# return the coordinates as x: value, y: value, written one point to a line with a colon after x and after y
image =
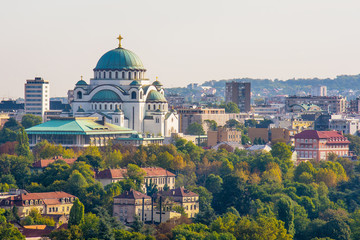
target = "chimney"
x: 103, y: 121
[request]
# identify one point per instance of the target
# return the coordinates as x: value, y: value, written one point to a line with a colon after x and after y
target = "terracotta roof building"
x: 129, y: 204
x: 156, y: 175
x: 46, y: 202
x: 182, y: 197
x: 312, y: 144
x: 40, y: 165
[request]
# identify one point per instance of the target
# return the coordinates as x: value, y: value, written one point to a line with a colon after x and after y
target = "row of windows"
x: 34, y: 95
x: 306, y: 140
x: 154, y: 106
x: 33, y: 100
x: 33, y: 109
x: 29, y: 86
x: 33, y: 91
x: 116, y: 75
x: 105, y: 106
x: 33, y: 104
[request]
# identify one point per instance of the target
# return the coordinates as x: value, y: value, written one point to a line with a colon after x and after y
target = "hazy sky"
x: 179, y: 41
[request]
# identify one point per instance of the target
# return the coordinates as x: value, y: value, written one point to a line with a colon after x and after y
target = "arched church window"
x: 133, y: 95
x: 110, y: 74
x: 148, y: 106
x: 100, y: 106
x: 119, y: 106
x: 110, y: 106
x: 116, y: 75
x: 95, y: 106
x: 154, y: 107
x: 79, y: 95
x: 116, y: 120
x: 135, y: 75
x: 123, y: 75
x: 105, y: 106
x: 129, y: 75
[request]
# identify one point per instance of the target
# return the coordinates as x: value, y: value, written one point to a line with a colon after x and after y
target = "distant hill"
x: 266, y: 87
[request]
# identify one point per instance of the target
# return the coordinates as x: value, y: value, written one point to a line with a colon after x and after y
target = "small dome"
x: 81, y: 82
x: 80, y: 109
x: 119, y: 59
x: 106, y: 96
x: 135, y: 83
x: 155, y: 96
x: 157, y: 83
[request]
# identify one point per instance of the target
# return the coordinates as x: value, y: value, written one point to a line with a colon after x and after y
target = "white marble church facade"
x: 120, y: 93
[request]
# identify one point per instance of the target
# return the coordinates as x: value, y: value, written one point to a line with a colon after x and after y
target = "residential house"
x: 156, y: 175
x: 50, y: 203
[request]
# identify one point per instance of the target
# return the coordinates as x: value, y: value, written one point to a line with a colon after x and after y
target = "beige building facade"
x: 156, y: 175
x: 49, y: 203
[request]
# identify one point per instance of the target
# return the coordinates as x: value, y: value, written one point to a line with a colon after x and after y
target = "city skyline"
x: 179, y: 42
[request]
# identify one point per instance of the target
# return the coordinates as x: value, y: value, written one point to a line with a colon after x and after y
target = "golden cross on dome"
x: 120, y: 38
x: 157, y: 78
x: 81, y: 77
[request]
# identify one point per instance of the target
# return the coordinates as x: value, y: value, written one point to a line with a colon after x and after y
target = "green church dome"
x: 135, y: 83
x: 119, y: 59
x: 81, y: 82
x: 155, y: 96
x: 106, y: 96
x: 157, y: 83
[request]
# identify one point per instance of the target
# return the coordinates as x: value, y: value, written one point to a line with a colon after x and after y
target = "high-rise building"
x: 37, y: 96
x: 239, y: 93
x: 319, y: 91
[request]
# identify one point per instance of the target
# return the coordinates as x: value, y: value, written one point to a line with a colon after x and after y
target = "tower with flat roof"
x: 37, y: 96
x: 239, y: 93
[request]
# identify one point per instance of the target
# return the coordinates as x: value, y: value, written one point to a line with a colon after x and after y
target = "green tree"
x: 286, y: 214
x: 30, y: 120
x: 231, y: 107
x: 22, y: 147
x: 76, y: 213
x: 136, y: 174
x: 9, y: 232
x: 245, y: 140
x: 214, y: 183
x: 195, y: 129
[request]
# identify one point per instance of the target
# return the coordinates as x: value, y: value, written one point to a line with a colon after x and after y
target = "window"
x: 110, y: 106
x: 116, y: 75
x: 148, y: 106
x: 100, y: 106
x: 105, y: 106
x: 129, y: 75
x: 123, y: 75
x: 133, y: 95
x: 110, y: 74
x: 79, y: 95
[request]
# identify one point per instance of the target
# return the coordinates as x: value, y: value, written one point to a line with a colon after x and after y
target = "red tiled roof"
x: 43, y: 195
x: 43, y: 163
x: 49, y: 198
x: 111, y: 173
x: 121, y: 173
x: 33, y: 233
x: 313, y: 134
x: 132, y: 194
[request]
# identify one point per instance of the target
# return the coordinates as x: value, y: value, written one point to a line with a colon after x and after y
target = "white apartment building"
x: 345, y: 125
x: 37, y: 96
